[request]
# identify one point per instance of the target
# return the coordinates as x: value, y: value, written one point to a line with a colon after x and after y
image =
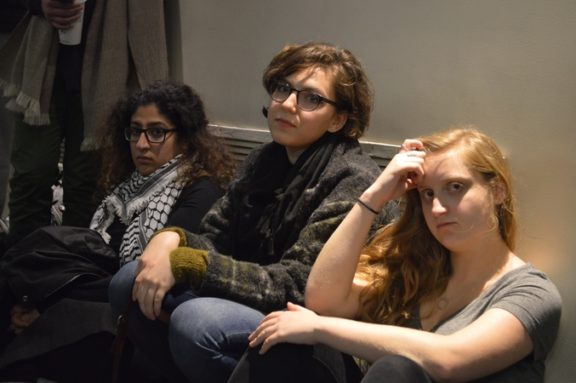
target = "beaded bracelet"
x: 362, y: 203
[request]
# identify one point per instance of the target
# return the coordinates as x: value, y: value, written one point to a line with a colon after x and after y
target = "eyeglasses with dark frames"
x: 305, y: 99
x: 153, y: 135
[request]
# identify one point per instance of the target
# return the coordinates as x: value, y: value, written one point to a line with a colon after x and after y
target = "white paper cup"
x: 73, y: 35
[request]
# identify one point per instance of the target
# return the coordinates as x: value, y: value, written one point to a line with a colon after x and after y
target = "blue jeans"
x: 204, y: 339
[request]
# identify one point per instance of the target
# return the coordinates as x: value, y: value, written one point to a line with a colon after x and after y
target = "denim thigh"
x: 208, y: 336
x: 149, y: 337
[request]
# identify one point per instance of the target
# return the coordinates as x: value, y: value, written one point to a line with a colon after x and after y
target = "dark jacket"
x: 267, y: 278
x: 66, y: 271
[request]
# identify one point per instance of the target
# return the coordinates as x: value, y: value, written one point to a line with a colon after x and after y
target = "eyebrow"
x: 307, y: 88
x: 153, y: 124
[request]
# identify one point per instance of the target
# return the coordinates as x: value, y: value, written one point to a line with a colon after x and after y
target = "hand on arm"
x: 155, y: 277
x: 61, y: 15
x: 296, y: 325
x: 493, y: 342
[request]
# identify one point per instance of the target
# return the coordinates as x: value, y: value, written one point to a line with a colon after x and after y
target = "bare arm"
x: 331, y: 288
x: 493, y: 342
x: 155, y: 276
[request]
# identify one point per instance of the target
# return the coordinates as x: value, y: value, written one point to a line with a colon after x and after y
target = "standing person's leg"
x: 34, y: 157
x: 397, y: 369
x: 6, y: 130
x: 208, y: 336
x: 80, y: 170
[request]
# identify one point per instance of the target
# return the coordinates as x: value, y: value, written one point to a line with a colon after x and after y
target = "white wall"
x: 508, y: 66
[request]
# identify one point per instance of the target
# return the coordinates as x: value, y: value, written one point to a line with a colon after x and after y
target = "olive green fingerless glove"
x: 189, y: 265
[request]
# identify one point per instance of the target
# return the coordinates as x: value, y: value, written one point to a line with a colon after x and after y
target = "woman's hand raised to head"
x: 155, y: 276
x: 403, y: 173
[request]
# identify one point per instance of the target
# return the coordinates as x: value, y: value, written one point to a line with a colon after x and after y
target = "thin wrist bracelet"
x: 362, y: 203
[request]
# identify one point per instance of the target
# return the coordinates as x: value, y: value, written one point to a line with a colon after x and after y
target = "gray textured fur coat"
x: 267, y: 286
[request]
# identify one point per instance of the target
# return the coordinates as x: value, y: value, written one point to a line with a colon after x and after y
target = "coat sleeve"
x: 269, y: 287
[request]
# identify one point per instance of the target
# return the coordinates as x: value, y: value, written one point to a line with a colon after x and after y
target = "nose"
x: 292, y: 101
x: 438, y: 208
x: 142, y: 141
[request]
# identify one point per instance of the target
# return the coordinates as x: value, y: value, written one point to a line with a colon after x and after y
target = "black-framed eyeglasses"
x: 305, y: 99
x: 153, y: 135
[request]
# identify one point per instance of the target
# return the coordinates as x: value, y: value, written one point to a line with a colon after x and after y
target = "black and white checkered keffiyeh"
x: 141, y: 203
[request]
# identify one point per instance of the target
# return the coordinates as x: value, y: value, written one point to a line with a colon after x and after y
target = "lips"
x: 284, y: 123
x: 143, y: 159
x: 444, y: 225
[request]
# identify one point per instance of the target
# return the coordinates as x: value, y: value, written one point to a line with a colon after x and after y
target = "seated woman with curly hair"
x: 160, y: 166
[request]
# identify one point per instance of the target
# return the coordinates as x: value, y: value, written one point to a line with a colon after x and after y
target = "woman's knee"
x: 214, y: 333
x: 398, y: 369
x: 213, y: 316
x: 197, y: 319
x: 120, y: 289
x: 212, y: 325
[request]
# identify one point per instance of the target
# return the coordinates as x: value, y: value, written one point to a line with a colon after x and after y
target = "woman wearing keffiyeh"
x: 160, y: 166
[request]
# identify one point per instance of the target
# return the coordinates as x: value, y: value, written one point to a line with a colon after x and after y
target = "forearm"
x: 263, y: 287
x: 329, y: 290
x: 253, y: 280
x: 373, y: 341
x: 490, y: 344
x: 154, y: 277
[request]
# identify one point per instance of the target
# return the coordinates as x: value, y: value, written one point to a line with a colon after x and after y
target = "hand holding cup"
x: 67, y: 17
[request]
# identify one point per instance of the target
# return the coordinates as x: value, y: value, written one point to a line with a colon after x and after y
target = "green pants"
x: 36, y: 152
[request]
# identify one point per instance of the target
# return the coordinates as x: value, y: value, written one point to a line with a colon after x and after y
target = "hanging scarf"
x: 141, y: 203
x: 273, y: 209
x: 124, y: 38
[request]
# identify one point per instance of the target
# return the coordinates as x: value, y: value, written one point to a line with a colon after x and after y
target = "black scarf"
x: 272, y: 208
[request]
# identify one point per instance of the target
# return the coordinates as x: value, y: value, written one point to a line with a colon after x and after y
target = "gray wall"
x: 507, y: 66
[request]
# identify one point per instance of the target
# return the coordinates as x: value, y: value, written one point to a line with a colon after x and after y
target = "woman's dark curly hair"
x: 204, y: 154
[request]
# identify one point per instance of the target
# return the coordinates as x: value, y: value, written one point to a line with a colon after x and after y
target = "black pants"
x: 396, y: 369
x: 88, y: 361
x: 35, y: 157
x: 288, y: 363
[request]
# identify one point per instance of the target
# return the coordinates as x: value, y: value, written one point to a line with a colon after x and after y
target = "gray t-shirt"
x: 530, y: 296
